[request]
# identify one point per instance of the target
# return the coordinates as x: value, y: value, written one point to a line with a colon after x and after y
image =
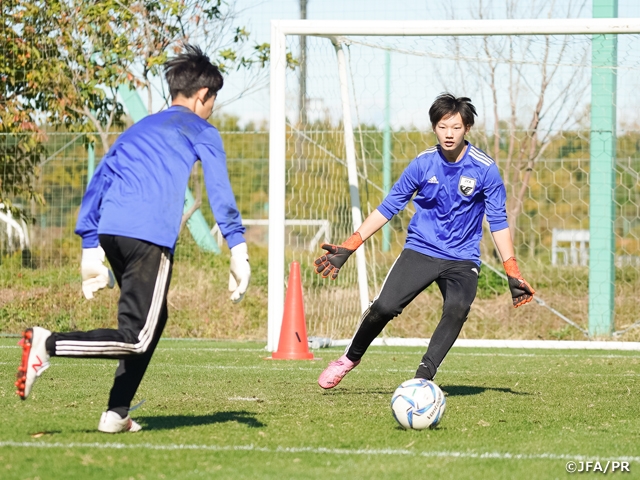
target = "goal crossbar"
x: 331, y: 28
x: 555, y: 26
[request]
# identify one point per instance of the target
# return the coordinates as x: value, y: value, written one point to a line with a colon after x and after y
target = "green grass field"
x: 220, y: 410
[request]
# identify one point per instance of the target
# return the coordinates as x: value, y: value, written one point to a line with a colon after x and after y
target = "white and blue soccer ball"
x: 418, y: 404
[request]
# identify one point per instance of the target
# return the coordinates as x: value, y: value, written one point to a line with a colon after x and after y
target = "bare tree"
x: 536, y: 84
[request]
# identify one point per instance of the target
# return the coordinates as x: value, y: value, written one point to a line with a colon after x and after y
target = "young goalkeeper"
x: 455, y: 185
x: 131, y: 212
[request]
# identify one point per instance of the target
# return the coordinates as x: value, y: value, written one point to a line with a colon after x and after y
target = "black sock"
x: 427, y: 371
x: 122, y: 411
x: 50, y: 344
x: 349, y: 356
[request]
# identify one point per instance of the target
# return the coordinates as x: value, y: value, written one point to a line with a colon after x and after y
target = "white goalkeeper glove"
x: 95, y: 275
x: 240, y: 272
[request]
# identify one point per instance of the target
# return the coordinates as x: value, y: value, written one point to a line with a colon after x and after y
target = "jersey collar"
x: 459, y: 162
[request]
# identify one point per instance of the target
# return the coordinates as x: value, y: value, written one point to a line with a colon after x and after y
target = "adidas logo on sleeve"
x: 433, y: 180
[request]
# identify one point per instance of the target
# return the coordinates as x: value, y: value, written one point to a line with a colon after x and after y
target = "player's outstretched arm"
x: 225, y: 210
x: 331, y: 262
x: 521, y: 291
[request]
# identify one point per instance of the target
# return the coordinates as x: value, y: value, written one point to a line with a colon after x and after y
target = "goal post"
x: 333, y: 30
x: 352, y: 172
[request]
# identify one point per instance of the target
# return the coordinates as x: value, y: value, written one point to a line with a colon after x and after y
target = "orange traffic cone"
x: 293, y: 344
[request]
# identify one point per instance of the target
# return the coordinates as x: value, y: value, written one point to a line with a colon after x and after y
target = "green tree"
x: 62, y: 61
x: 60, y: 65
x: 163, y: 26
x: 21, y: 138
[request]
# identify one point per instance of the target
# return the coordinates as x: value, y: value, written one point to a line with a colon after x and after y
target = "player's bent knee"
x: 381, y: 311
x: 459, y: 310
x: 137, y: 348
x: 142, y: 349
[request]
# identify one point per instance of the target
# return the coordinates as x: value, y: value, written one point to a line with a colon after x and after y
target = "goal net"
x: 351, y: 117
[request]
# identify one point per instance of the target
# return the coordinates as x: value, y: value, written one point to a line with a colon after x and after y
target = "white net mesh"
x: 533, y: 95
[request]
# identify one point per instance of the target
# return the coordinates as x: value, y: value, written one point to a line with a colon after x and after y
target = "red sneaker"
x: 35, y: 359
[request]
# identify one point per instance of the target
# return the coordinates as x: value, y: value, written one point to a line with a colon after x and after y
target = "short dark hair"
x: 446, y: 105
x: 190, y: 71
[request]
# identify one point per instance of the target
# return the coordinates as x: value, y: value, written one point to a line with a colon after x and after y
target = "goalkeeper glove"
x: 239, y: 272
x: 521, y: 291
x: 332, y: 261
x: 95, y: 275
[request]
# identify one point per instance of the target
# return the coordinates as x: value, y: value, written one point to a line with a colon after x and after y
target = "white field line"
x: 327, y: 353
x: 461, y: 342
x: 522, y: 344
x: 557, y: 354
x: 482, y: 343
x: 412, y: 370
x: 424, y: 342
x: 167, y: 366
x: 452, y: 353
x: 195, y: 349
x: 320, y: 450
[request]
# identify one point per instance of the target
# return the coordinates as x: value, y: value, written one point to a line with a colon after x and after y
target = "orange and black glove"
x: 336, y: 255
x: 521, y: 291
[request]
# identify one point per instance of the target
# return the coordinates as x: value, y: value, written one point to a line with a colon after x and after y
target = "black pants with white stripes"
x: 411, y: 274
x: 143, y: 273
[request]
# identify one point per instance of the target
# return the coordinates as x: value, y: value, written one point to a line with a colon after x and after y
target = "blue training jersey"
x: 138, y: 188
x: 451, y: 200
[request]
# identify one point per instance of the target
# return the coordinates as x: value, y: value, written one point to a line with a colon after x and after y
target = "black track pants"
x: 143, y: 273
x: 411, y: 274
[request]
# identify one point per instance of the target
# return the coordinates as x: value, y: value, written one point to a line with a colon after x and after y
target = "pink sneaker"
x: 336, y: 372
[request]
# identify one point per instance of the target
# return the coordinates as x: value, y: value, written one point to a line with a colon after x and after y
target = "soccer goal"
x: 558, y: 111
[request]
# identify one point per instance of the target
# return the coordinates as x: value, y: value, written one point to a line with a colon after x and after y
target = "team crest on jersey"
x: 466, y: 185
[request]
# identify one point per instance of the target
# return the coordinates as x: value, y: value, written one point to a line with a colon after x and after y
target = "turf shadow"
x: 167, y: 422
x: 464, y: 390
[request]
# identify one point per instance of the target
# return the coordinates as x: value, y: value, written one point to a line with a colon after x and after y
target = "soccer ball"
x: 418, y: 404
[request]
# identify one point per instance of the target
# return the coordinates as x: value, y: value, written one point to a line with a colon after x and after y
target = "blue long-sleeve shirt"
x: 451, y: 200
x: 138, y: 188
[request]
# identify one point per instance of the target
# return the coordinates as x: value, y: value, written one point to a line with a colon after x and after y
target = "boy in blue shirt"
x: 455, y: 185
x: 131, y: 212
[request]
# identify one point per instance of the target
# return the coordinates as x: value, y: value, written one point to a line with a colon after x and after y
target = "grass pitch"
x: 220, y: 410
